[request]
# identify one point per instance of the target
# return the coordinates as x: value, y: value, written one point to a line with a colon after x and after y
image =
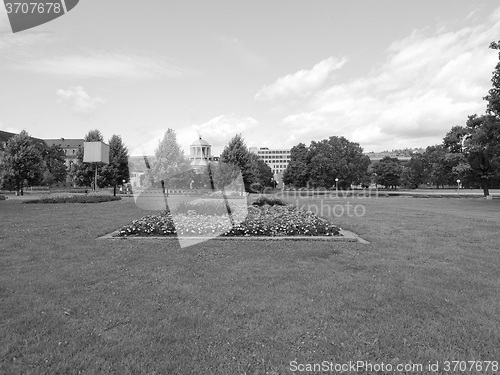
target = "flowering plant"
x: 260, y: 221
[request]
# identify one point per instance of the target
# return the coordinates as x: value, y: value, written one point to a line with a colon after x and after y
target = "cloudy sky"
x: 386, y: 74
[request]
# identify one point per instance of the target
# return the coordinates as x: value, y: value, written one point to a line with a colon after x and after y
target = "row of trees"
x: 28, y: 162
x: 327, y: 163
x: 469, y: 153
x: 108, y: 175
x: 172, y: 169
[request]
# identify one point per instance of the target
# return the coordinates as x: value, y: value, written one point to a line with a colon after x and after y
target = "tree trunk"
x: 486, y: 189
x: 114, y: 190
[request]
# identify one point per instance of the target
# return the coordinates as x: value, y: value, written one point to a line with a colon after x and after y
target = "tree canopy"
x: 23, y: 163
x: 324, y: 161
x: 117, y: 171
x: 170, y: 165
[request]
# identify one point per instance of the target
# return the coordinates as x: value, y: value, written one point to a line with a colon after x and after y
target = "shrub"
x: 75, y: 199
x: 2, y: 197
x: 261, y: 201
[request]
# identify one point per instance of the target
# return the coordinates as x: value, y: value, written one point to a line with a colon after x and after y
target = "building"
x: 276, y: 158
x: 70, y: 147
x: 200, y: 154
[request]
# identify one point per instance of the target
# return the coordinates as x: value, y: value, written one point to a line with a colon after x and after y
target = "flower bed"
x: 75, y: 199
x: 261, y: 221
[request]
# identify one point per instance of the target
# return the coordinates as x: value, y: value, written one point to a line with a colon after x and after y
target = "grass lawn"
x: 426, y: 289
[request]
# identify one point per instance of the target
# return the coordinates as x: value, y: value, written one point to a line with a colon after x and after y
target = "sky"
x: 386, y: 74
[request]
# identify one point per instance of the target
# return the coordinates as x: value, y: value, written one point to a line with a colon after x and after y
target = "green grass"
x: 426, y: 289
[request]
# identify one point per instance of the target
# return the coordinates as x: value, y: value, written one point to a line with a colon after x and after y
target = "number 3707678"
x: 33, y: 8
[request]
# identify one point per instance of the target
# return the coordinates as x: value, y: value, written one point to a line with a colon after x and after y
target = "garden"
x: 208, y: 217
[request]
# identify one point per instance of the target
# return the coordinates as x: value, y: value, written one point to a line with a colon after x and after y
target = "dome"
x: 200, y: 142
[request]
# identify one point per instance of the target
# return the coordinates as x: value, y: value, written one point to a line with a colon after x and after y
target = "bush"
x: 2, y: 197
x: 261, y: 201
x: 75, y: 199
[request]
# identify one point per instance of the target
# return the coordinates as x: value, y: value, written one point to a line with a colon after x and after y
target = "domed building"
x: 200, y: 154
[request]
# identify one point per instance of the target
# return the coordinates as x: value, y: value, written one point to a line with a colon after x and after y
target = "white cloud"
x: 217, y: 131
x: 427, y: 84
x: 301, y: 82
x: 79, y: 99
x: 111, y: 65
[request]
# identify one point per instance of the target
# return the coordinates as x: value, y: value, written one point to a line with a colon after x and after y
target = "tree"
x: 325, y: 161
x: 54, y: 158
x: 479, y: 140
x: 82, y: 173
x: 416, y: 172
x: 261, y: 172
x: 296, y: 172
x: 478, y: 150
x: 388, y: 172
x: 23, y: 164
x: 236, y: 154
x: 117, y: 171
x: 170, y: 164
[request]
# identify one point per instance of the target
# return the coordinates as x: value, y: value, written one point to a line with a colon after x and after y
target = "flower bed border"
x: 345, y: 236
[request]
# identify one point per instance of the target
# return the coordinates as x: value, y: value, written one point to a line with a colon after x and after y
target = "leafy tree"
x: 440, y: 166
x: 170, y: 164
x: 326, y: 160
x: 236, y: 158
x: 117, y: 170
x: 416, y: 171
x: 296, y: 172
x: 54, y: 158
x: 23, y: 164
x: 479, y: 160
x: 388, y: 172
x: 261, y: 172
x: 478, y: 142
x: 493, y: 97
x: 83, y: 173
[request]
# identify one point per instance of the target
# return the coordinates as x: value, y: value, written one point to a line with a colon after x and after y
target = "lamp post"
x: 337, y: 185
x: 458, y: 184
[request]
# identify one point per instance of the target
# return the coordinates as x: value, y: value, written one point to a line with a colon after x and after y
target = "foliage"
x: 2, y: 197
x: 296, y: 172
x: 477, y: 145
x: 75, y: 199
x: 479, y: 157
x: 170, y: 164
x: 23, y: 164
x: 237, y: 159
x: 55, y: 165
x: 261, y: 221
x: 327, y: 160
x: 416, y: 171
x: 388, y: 172
x: 263, y: 200
x: 82, y: 173
x: 261, y: 172
x: 117, y: 171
